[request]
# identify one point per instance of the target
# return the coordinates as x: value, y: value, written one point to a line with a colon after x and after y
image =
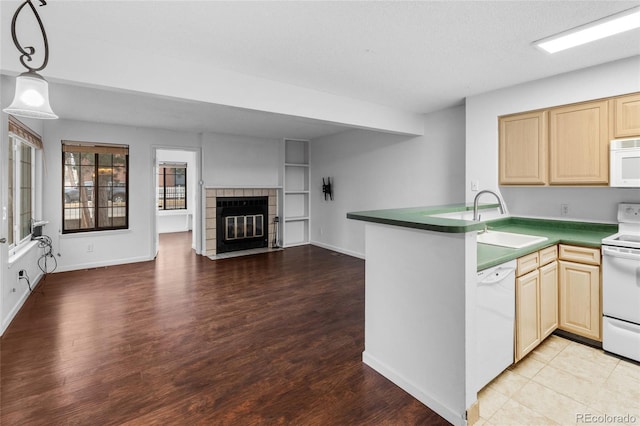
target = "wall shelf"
x: 296, y: 200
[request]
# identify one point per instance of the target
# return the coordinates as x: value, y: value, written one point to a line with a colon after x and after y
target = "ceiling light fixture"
x: 32, y: 90
x: 605, y: 27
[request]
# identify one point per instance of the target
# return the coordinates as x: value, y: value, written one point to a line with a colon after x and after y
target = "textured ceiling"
x: 411, y: 56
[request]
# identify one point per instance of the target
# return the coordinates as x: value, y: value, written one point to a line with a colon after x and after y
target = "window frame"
x: 15, y: 186
x: 96, y: 150
x: 162, y: 171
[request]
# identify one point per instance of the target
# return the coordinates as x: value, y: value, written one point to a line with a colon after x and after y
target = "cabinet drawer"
x: 577, y: 254
x: 548, y: 255
x: 527, y: 264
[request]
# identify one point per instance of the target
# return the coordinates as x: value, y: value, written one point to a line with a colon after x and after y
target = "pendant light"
x: 32, y: 90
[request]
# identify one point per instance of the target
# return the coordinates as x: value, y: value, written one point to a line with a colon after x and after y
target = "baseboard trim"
x: 102, y: 264
x: 338, y: 249
x: 408, y: 386
x: 20, y: 304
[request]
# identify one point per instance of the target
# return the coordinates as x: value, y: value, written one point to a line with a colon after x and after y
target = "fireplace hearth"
x: 241, y: 223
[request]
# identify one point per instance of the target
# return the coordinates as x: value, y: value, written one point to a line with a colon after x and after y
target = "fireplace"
x: 241, y: 223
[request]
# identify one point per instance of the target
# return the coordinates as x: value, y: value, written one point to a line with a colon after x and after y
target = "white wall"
x: 372, y: 170
x: 14, y: 292
x: 179, y: 220
x: 237, y: 161
x: 482, y: 111
x: 227, y: 161
x: 109, y: 247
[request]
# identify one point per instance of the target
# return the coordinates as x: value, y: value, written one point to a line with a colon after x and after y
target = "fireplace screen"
x: 241, y: 227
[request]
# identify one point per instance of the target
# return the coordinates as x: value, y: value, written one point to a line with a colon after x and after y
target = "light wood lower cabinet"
x: 580, y: 310
x: 536, y: 299
x: 527, y: 313
x: 552, y: 294
x: 548, y: 299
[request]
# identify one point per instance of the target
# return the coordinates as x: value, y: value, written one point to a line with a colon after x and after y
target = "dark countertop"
x: 557, y: 231
x: 418, y: 218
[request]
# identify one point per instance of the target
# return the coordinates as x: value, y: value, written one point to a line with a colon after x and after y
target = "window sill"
x: 21, y: 251
x: 182, y: 212
x: 94, y: 233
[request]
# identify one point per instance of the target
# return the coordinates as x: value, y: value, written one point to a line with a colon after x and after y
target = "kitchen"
x: 398, y: 254
x: 355, y: 158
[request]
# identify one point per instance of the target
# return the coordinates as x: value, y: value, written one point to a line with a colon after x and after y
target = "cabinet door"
x: 627, y: 116
x: 548, y: 299
x: 579, y: 141
x: 527, y: 313
x: 523, y: 149
x: 580, y: 309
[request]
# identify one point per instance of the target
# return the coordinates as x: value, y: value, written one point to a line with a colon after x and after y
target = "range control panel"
x: 629, y: 213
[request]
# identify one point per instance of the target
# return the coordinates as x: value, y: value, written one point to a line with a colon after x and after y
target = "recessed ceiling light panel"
x: 605, y: 27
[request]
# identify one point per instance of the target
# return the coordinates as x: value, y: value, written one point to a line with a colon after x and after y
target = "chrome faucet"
x: 501, y: 205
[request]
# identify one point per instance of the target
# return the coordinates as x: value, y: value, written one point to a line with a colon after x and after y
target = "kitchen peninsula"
x: 420, y: 296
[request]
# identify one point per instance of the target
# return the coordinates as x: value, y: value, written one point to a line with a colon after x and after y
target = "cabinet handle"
x: 3, y: 240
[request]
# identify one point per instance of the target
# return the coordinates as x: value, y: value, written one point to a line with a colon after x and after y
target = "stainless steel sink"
x: 509, y: 239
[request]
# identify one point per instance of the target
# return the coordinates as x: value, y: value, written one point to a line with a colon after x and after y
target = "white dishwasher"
x: 495, y: 321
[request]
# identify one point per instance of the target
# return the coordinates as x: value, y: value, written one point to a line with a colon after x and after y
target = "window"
x: 95, y: 193
x: 172, y: 186
x: 21, y: 175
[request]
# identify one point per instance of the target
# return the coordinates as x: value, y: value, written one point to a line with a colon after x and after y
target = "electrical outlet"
x: 564, y: 209
x: 90, y: 248
x: 21, y: 273
x: 475, y: 185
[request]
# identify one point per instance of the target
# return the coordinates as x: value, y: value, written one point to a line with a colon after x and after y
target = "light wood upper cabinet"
x: 579, y: 144
x: 523, y: 148
x: 565, y: 145
x: 627, y: 115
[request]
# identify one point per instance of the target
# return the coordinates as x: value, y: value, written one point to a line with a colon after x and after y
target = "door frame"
x: 198, y: 213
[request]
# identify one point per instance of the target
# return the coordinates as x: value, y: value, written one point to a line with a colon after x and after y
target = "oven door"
x: 625, y: 168
x: 621, y: 283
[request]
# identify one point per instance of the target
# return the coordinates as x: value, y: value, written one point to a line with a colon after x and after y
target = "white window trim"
x: 17, y: 248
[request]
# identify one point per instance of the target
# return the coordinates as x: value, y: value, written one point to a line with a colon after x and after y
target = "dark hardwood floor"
x: 266, y: 339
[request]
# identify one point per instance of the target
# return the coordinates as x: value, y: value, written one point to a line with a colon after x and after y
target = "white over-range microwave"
x: 624, y: 169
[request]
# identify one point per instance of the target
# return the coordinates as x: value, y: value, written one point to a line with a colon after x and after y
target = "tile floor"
x: 566, y: 383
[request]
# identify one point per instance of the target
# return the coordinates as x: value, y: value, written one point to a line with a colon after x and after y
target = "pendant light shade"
x: 32, y: 90
x: 32, y: 97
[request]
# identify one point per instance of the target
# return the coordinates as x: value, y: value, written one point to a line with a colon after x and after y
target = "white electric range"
x: 621, y: 285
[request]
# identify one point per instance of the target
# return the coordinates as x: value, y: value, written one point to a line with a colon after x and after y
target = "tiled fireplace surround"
x: 213, y: 193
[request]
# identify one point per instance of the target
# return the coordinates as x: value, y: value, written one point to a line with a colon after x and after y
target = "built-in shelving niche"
x: 296, y: 193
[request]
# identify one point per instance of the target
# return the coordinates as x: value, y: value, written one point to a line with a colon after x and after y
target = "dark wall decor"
x: 327, y: 190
